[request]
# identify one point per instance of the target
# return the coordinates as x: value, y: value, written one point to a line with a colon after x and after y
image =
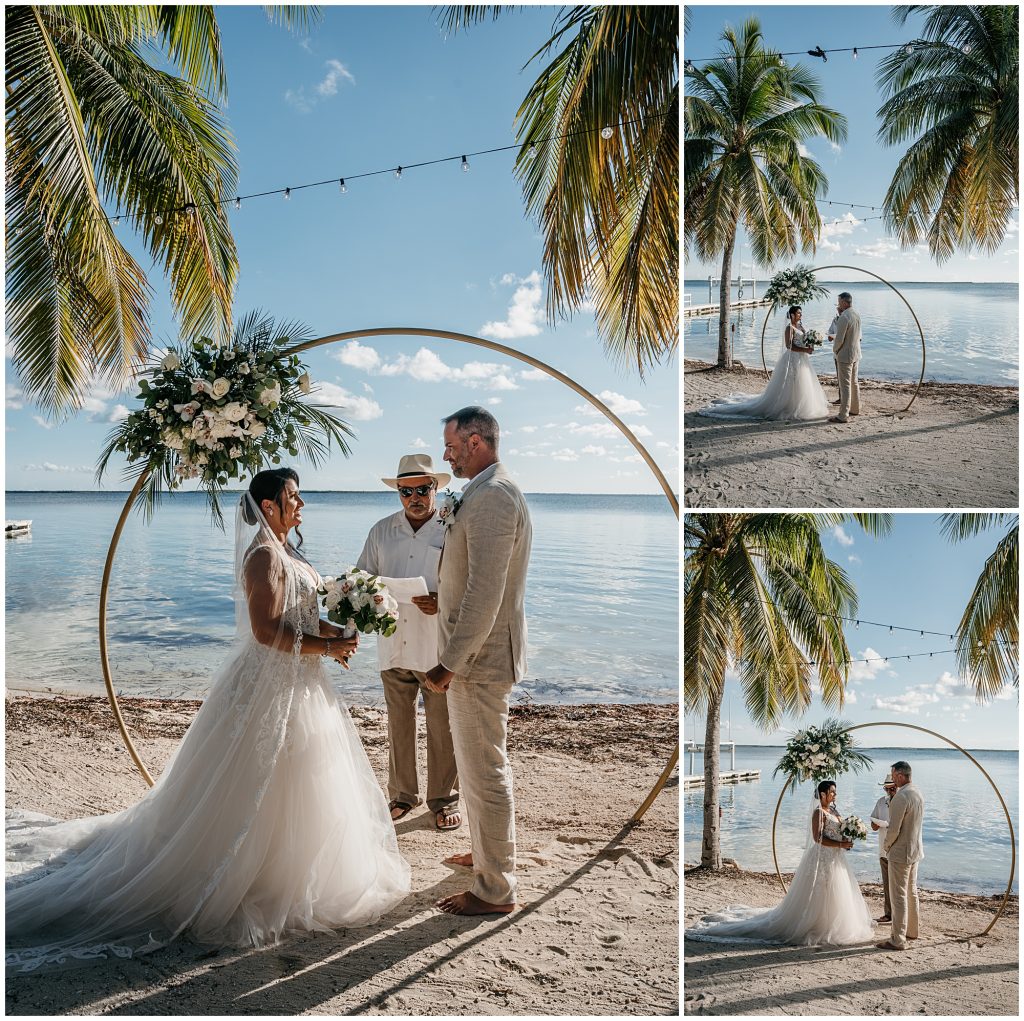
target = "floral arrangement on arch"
x: 217, y: 413
x: 794, y: 287
x: 822, y: 753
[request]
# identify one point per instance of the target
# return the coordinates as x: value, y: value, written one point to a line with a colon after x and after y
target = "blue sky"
x: 371, y: 88
x: 859, y: 170
x: 912, y: 578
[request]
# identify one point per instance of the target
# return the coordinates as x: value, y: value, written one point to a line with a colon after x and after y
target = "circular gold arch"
x: 386, y: 331
x: 963, y: 751
x: 857, y: 269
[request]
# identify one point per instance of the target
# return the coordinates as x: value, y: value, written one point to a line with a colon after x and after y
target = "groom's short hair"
x: 476, y: 420
x: 902, y: 767
x: 846, y: 296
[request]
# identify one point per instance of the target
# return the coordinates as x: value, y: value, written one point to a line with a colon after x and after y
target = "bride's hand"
x: 343, y: 648
x: 847, y: 845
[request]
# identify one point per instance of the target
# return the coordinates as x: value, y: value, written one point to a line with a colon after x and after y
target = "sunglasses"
x: 419, y: 490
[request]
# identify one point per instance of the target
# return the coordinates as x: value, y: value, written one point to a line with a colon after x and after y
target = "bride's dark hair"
x: 824, y: 786
x: 268, y: 485
x: 794, y: 308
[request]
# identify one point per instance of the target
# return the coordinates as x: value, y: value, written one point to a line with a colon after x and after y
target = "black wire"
x: 807, y: 53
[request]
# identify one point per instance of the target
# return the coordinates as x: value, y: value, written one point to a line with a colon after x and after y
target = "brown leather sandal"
x: 403, y: 805
x: 443, y: 815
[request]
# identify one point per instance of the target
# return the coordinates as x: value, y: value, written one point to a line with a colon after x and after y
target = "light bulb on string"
x: 398, y: 173
x: 287, y: 194
x: 690, y: 67
x: 158, y: 218
x: 342, y: 187
x: 909, y: 48
x: 855, y: 53
x: 238, y: 203
x: 531, y: 153
x: 606, y: 132
x: 117, y: 220
x: 465, y: 165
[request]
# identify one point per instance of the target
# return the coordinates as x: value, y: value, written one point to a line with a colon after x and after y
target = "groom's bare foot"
x: 466, y: 860
x: 469, y: 904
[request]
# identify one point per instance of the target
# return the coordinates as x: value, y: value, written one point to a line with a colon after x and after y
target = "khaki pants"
x: 903, y: 887
x: 849, y: 390
x: 885, y: 886
x: 401, y: 690
x: 479, y: 717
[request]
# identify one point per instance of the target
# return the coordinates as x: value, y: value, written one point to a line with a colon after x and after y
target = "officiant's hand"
x: 438, y: 679
x: 427, y: 604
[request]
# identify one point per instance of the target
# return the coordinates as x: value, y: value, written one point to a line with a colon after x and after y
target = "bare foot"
x: 466, y: 860
x: 469, y: 904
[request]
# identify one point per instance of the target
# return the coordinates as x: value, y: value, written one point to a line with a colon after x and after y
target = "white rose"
x: 220, y: 387
x: 334, y: 598
x: 329, y: 583
x: 243, y: 368
x: 170, y: 362
x: 305, y: 385
x: 257, y: 429
x: 174, y: 440
x: 271, y: 395
x: 234, y: 412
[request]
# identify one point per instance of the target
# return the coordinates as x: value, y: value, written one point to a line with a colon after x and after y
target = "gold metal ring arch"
x: 857, y: 269
x: 388, y: 331
x: 1006, y: 812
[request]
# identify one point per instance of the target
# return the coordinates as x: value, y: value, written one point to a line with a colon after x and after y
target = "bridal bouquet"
x: 812, y: 338
x: 822, y: 753
x: 853, y: 828
x: 361, y: 601
x: 214, y: 412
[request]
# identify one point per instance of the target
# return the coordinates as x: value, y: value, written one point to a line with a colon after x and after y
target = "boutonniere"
x: 448, y: 504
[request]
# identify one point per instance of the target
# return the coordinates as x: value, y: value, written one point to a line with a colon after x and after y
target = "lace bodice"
x: 798, y: 335
x: 830, y: 827
x: 306, y: 611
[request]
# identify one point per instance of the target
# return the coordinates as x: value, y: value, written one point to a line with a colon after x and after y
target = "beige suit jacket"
x: 846, y: 346
x: 903, y: 837
x: 482, y: 583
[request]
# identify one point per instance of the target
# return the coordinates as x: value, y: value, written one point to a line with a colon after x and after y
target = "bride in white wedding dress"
x: 793, y: 394
x: 267, y: 819
x: 823, y: 906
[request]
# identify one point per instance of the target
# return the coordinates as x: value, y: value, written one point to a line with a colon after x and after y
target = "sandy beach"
x: 956, y: 447
x: 597, y: 932
x: 941, y: 975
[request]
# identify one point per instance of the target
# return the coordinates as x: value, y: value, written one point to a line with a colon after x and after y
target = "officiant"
x: 880, y: 823
x: 407, y: 544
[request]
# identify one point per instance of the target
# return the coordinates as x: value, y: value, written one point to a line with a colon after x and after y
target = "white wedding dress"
x: 823, y: 906
x: 267, y: 819
x: 793, y: 394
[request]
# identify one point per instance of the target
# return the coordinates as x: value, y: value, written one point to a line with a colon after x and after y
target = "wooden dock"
x: 707, y: 309
x: 13, y: 529
x: 735, y: 776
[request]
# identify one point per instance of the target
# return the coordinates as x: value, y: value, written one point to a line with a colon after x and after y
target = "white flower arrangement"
x: 853, y: 828
x: 216, y: 412
x: 448, y: 504
x: 812, y: 338
x: 821, y: 753
x: 794, y: 287
x: 360, y: 600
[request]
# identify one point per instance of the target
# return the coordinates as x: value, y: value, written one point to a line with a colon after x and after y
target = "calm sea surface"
x: 602, y: 594
x: 966, y: 839
x: 970, y: 330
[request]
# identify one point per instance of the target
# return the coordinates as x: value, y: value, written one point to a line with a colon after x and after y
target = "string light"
x: 606, y: 133
x: 398, y: 173
x: 855, y: 53
x: 465, y: 165
x: 691, y: 63
x: 342, y: 187
x: 287, y: 194
x: 528, y: 153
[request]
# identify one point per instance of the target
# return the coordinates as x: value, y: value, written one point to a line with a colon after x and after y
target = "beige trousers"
x: 478, y: 712
x: 849, y: 390
x: 903, y: 889
x: 885, y: 886
x: 401, y: 691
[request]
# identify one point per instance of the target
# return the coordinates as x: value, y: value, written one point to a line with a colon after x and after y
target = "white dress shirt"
x: 880, y: 814
x: 394, y: 550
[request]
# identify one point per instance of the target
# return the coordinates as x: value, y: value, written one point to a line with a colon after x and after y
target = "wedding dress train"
x: 823, y: 906
x: 793, y: 394
x: 267, y: 819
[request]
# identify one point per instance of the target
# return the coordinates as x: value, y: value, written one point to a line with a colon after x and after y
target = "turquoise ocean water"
x: 966, y: 839
x: 970, y: 330
x: 602, y: 598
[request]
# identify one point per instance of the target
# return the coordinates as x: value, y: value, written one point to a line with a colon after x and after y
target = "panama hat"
x: 888, y: 781
x: 413, y: 466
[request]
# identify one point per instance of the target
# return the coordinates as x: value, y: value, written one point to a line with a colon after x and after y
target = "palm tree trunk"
x: 711, y: 849
x: 724, y: 301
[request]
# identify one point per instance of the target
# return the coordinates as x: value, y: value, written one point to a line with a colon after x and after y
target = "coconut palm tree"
x: 987, y: 635
x: 608, y: 207
x: 760, y: 594
x: 955, y: 94
x: 93, y: 125
x: 747, y: 114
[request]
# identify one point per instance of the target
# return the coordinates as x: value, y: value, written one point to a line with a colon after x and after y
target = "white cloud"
x: 336, y: 71
x: 949, y: 686
x: 419, y: 443
x: 617, y: 403
x: 118, y: 414
x: 845, y: 225
x: 850, y: 697
x: 565, y: 454
x: 528, y: 428
x: 94, y: 405
x: 909, y: 704
x: 869, y: 670
x: 803, y: 150
x: 605, y: 430
x: 358, y: 356
x: 854, y: 559
x: 296, y: 98
x: 13, y: 398
x: 42, y: 423
x: 835, y: 147
x: 525, y: 314
x: 598, y: 451
x: 494, y: 401
x: 535, y: 375
x: 49, y: 466
x: 878, y: 250
x: 841, y: 536
x: 358, y: 409
x: 426, y: 367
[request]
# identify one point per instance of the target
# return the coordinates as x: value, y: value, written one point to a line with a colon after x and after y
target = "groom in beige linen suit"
x: 846, y: 349
x: 482, y: 651
x: 904, y: 850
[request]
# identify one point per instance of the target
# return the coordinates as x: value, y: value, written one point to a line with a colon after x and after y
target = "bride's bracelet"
x: 327, y: 650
